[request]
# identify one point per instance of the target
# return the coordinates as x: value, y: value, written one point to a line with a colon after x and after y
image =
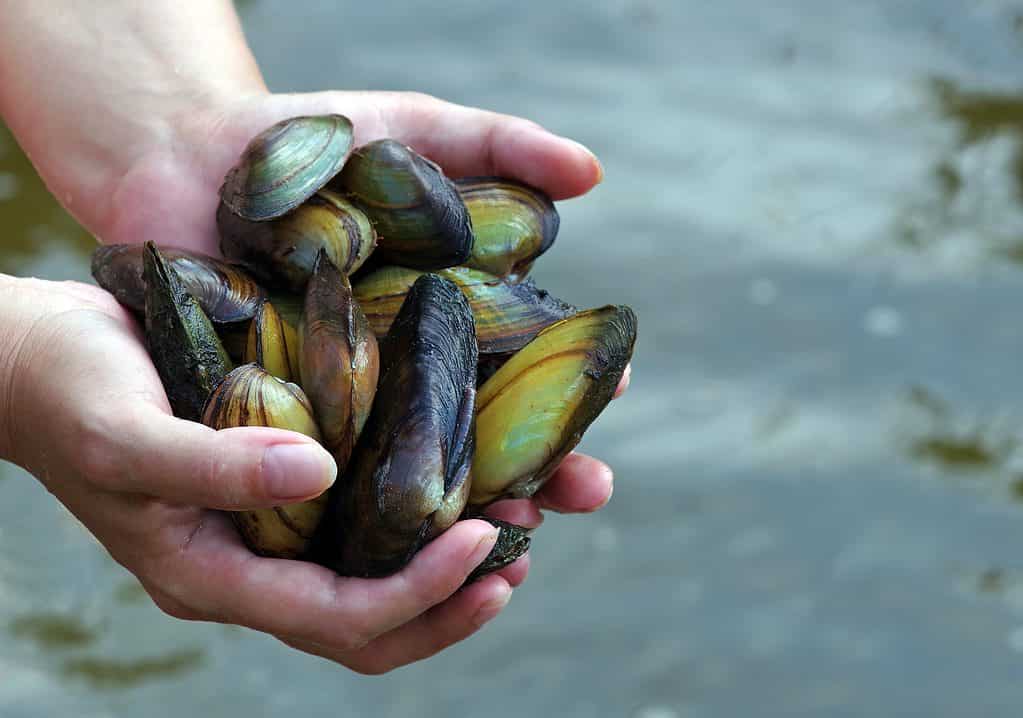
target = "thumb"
x: 184, y: 462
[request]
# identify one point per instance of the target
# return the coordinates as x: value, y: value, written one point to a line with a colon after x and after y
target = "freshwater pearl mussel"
x: 367, y: 301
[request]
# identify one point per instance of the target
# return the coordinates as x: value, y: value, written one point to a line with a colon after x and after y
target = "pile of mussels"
x: 440, y: 378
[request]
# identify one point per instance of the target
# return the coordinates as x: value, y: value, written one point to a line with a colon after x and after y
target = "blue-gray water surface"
x: 815, y: 209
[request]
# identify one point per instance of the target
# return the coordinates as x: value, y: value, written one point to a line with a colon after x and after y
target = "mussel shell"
x: 507, y: 315
x: 184, y: 346
x: 535, y: 408
x: 273, y: 344
x: 418, y: 214
x: 282, y: 252
x: 339, y: 359
x: 512, y: 542
x: 513, y: 223
x: 225, y: 292
x: 408, y: 477
x: 250, y: 396
x: 285, y: 165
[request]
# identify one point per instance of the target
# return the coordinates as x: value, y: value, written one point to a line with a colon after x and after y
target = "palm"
x: 190, y: 559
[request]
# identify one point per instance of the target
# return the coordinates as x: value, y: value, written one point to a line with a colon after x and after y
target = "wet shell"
x: 513, y: 223
x: 282, y: 252
x: 507, y: 315
x: 249, y: 396
x: 184, y: 347
x: 535, y: 408
x: 225, y: 292
x: 419, y: 216
x: 285, y: 165
x: 339, y: 359
x: 273, y: 344
x: 409, y: 476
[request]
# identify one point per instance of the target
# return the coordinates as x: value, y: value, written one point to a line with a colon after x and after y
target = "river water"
x: 815, y: 209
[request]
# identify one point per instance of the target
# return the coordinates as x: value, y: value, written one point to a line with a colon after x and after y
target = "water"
x: 815, y: 211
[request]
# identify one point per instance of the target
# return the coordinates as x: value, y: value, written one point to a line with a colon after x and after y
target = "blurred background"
x: 815, y: 209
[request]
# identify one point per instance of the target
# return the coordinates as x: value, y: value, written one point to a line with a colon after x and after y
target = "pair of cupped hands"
x: 86, y: 413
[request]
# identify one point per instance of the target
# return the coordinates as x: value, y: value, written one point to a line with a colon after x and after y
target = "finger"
x: 581, y: 484
x: 141, y: 449
x: 623, y: 384
x: 450, y: 622
x: 521, y: 512
x: 515, y: 573
x: 469, y: 141
x: 216, y: 575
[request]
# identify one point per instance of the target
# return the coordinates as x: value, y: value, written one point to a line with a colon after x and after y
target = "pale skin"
x: 132, y: 113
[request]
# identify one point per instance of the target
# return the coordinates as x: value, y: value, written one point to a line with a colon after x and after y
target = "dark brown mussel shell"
x: 281, y: 252
x: 419, y: 216
x: 184, y: 347
x: 225, y: 292
x: 535, y: 408
x: 285, y: 165
x: 507, y: 314
x: 513, y: 223
x: 410, y: 474
x: 339, y: 359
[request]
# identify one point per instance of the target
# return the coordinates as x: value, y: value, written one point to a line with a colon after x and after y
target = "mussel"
x: 409, y: 475
x: 272, y: 343
x: 249, y: 396
x: 419, y: 216
x: 281, y: 252
x: 185, y: 349
x: 535, y: 408
x: 508, y: 315
x: 513, y: 223
x: 339, y: 359
x: 285, y: 165
x: 226, y: 293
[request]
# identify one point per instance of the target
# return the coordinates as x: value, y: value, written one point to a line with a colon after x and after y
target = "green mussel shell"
x: 409, y: 476
x: 508, y: 315
x: 184, y: 346
x: 281, y: 252
x: 285, y: 165
x: 225, y: 292
x: 249, y: 396
x: 513, y: 222
x: 535, y: 408
x: 339, y: 359
x: 419, y: 216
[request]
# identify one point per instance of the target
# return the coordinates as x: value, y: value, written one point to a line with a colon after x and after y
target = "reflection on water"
x: 112, y: 674
x: 53, y: 631
x: 977, y: 185
x: 952, y: 447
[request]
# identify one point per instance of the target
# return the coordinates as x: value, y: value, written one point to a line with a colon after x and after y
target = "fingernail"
x: 292, y: 472
x: 489, y: 610
x: 609, y: 478
x: 481, y: 549
x: 596, y: 162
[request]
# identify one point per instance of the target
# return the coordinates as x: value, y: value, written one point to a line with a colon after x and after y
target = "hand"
x: 103, y: 441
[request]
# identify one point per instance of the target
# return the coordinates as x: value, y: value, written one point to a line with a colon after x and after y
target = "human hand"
x: 143, y: 482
